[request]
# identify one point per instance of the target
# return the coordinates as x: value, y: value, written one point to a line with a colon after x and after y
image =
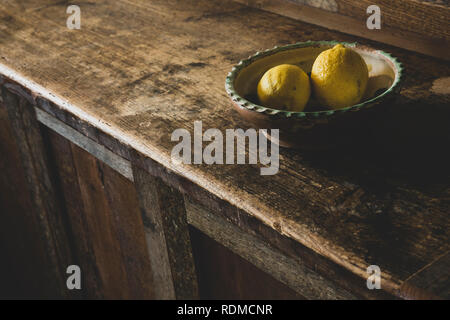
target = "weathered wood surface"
x: 168, y: 240
x: 421, y: 26
x: 105, y: 221
x: 19, y: 278
x: 107, y: 257
x: 431, y: 282
x: 138, y: 70
x: 97, y: 150
x: 40, y: 185
x: 292, y: 272
x: 227, y: 276
x: 245, y: 240
x: 248, y: 239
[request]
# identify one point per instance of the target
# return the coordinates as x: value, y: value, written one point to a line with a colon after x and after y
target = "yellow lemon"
x: 339, y: 77
x: 284, y: 87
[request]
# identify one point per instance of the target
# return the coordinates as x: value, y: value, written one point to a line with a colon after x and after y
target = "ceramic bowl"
x: 316, y: 126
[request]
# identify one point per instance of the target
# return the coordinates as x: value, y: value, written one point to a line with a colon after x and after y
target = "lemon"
x: 339, y: 77
x: 284, y: 87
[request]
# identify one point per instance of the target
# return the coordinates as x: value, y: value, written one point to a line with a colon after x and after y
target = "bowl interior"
x: 382, y: 70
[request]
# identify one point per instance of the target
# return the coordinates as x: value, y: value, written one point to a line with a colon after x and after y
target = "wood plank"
x: 168, y: 238
x: 100, y: 152
x: 292, y: 272
x: 100, y: 224
x: 47, y: 209
x: 429, y: 19
x: 110, y: 242
x: 382, y: 202
x: 109, y: 211
x: 19, y: 231
x: 402, y: 20
x: 129, y: 229
x: 61, y: 153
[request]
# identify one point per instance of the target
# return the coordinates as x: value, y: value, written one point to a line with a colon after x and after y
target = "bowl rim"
x: 251, y: 106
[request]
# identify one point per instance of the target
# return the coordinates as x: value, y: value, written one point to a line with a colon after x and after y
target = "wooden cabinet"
x: 86, y: 118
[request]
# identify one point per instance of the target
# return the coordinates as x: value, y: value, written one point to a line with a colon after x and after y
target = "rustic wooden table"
x: 86, y: 118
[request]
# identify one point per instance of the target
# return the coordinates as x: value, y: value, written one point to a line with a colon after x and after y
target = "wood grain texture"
x: 129, y: 80
x: 413, y: 25
x: 97, y: 150
x: 108, y: 235
x: 61, y: 152
x: 20, y: 235
x: 429, y: 283
x: 129, y: 230
x: 168, y: 237
x: 428, y: 19
x: 216, y: 228
x: 226, y: 276
x: 231, y: 217
x: 46, y: 207
x: 291, y: 272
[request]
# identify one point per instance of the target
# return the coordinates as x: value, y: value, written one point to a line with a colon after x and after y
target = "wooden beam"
x: 168, y: 239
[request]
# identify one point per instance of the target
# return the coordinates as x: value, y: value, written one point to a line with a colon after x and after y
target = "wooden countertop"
x: 137, y: 70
